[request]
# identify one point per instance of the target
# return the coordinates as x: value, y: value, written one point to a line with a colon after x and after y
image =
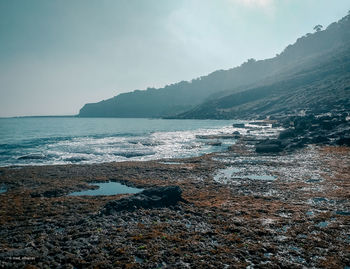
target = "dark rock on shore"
x: 219, y: 136
x: 269, y: 146
x: 238, y: 125
x: 216, y: 143
x: 322, y: 129
x: 343, y: 141
x: 289, y: 133
x: 149, y: 198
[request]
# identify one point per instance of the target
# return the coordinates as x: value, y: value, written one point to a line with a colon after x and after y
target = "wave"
x: 32, y: 157
x: 115, y: 147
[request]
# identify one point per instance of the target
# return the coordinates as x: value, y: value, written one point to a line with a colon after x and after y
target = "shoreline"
x: 298, y: 218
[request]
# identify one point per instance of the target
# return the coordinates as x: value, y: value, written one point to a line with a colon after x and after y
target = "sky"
x: 57, y: 55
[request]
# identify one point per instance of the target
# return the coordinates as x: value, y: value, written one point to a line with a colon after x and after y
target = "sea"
x: 74, y: 140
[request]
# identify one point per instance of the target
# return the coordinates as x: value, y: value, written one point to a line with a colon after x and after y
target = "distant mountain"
x: 265, y: 86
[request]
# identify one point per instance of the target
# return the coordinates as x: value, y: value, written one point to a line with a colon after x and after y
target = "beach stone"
x: 319, y: 139
x: 216, y: 143
x: 150, y: 198
x: 343, y: 141
x: 287, y: 134
x: 270, y: 146
x: 238, y: 125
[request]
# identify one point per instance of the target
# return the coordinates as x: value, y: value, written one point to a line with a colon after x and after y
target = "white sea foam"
x: 110, y: 147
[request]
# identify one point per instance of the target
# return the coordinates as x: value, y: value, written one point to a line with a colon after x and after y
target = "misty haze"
x: 174, y: 134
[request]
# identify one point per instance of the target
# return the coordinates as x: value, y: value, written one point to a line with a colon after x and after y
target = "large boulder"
x: 270, y: 146
x: 238, y: 125
x: 149, y: 198
x: 343, y: 141
x: 288, y: 133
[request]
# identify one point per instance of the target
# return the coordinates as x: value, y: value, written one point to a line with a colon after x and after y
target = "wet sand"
x: 243, y: 209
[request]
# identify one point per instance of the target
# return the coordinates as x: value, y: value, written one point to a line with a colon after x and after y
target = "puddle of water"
x: 138, y: 259
x: 3, y: 189
x: 314, y: 180
x: 319, y: 200
x: 107, y: 188
x: 263, y: 177
x: 299, y: 259
x: 343, y: 213
x: 268, y: 255
x: 294, y: 248
x: 283, y: 229
x: 322, y: 224
x: 60, y: 230
x: 226, y: 173
x: 310, y: 213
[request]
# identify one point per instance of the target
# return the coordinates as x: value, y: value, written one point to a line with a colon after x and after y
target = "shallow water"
x: 231, y: 173
x: 107, y: 188
x: 3, y: 189
x: 42, y: 141
x: 225, y: 174
x: 322, y: 224
x: 260, y: 177
x: 343, y: 213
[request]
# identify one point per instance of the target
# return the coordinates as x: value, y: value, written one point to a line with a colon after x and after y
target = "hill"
x: 263, y: 86
x: 318, y: 89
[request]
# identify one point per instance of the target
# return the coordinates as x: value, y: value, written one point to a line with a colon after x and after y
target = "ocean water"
x: 65, y: 140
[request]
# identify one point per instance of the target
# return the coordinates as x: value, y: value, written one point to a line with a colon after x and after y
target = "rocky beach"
x: 277, y: 198
x: 175, y: 134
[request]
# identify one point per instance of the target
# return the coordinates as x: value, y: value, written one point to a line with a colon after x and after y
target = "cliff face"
x: 254, y: 87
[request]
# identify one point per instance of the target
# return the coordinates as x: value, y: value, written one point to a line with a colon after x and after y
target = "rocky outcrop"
x: 149, y: 198
x: 269, y: 146
x: 329, y: 129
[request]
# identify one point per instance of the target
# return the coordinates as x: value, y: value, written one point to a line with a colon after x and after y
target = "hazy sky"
x: 57, y: 55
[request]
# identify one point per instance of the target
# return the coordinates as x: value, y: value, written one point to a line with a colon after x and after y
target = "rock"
x: 149, y: 198
x: 218, y: 136
x: 217, y: 143
x: 295, y: 145
x: 319, y: 139
x: 343, y: 141
x: 260, y: 123
x: 238, y: 125
x: 288, y: 133
x: 268, y: 146
x: 328, y: 124
x: 236, y: 135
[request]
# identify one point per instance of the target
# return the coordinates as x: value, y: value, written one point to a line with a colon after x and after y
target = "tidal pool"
x: 3, y: 189
x: 231, y: 173
x: 322, y: 224
x: 107, y: 188
x: 263, y: 177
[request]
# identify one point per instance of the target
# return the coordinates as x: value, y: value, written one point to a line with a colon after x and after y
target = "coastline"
x: 300, y: 218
